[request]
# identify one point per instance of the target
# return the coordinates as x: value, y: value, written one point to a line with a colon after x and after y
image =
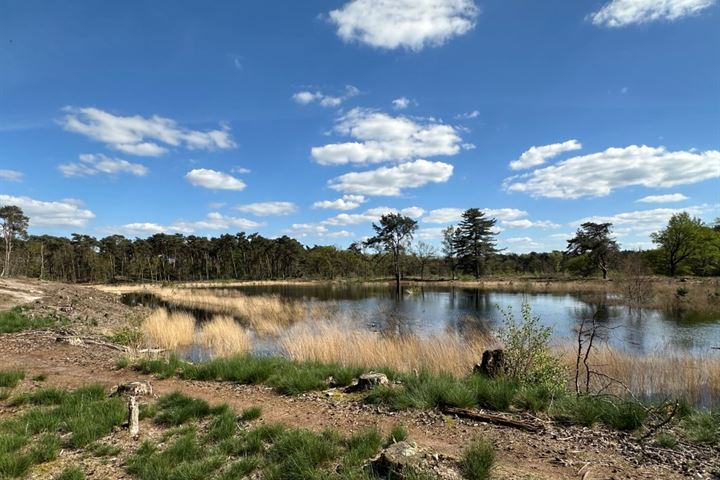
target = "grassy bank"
x: 16, y: 320
x: 193, y: 441
x: 425, y: 390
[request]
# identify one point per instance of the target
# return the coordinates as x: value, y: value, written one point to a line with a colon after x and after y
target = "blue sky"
x: 312, y: 118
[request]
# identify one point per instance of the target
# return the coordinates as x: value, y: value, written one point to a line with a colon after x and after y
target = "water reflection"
x: 431, y: 310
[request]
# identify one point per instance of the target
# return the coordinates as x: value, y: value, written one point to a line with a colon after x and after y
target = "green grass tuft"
x: 71, y: 473
x: 703, y: 427
x: 398, y: 433
x: 666, y: 440
x: 251, y: 413
x: 477, y: 460
x: 11, y: 378
x: 222, y: 427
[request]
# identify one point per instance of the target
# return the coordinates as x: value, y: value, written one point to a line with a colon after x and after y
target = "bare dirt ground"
x: 556, y: 453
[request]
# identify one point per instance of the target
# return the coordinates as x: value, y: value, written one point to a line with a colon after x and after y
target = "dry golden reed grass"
x: 267, y: 314
x: 225, y: 337
x: 668, y: 373
x: 325, y: 342
x: 169, y: 330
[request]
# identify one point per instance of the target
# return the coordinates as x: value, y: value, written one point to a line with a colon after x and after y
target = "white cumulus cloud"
x: 621, y: 13
x: 644, y: 222
x: 468, y: 115
x: 264, y: 209
x: 347, y: 202
x: 410, y: 24
x: 390, y: 181
x: 306, y: 97
x: 371, y: 215
x: 213, y: 222
x: 206, y: 178
x: 380, y: 137
x: 59, y: 213
x: 598, y: 174
x: 137, y: 135
x: 508, y: 218
x: 670, y: 197
x: 535, y: 156
x: 90, y: 165
x: 401, y: 103
x: 11, y: 175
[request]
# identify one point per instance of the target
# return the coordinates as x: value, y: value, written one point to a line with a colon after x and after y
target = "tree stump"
x: 492, y: 364
x: 132, y: 391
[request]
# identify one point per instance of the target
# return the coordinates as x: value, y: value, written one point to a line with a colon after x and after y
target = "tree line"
x: 686, y: 246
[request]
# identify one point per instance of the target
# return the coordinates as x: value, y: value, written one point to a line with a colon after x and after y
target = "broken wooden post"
x: 132, y: 391
x: 134, y: 417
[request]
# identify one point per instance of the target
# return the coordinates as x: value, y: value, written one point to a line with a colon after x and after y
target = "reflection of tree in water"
x: 392, y: 322
x: 598, y: 309
x: 468, y: 326
x: 475, y: 300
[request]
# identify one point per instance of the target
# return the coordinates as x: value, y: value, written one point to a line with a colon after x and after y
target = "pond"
x: 425, y: 310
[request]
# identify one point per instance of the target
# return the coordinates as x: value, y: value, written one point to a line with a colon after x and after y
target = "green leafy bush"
x: 528, y: 357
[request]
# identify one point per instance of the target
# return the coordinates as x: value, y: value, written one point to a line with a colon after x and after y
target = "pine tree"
x: 474, y: 240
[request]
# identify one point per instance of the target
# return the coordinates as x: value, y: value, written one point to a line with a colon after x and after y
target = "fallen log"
x: 490, y: 418
x: 79, y: 340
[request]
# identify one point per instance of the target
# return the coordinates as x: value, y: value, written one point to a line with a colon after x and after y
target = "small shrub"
x: 10, y: 378
x: 251, y: 413
x: 528, y: 357
x: 477, y: 460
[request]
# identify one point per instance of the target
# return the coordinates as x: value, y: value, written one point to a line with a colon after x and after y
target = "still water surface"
x: 428, y: 310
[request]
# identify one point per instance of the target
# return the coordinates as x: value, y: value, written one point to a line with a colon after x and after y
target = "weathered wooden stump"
x: 132, y: 391
x: 492, y: 364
